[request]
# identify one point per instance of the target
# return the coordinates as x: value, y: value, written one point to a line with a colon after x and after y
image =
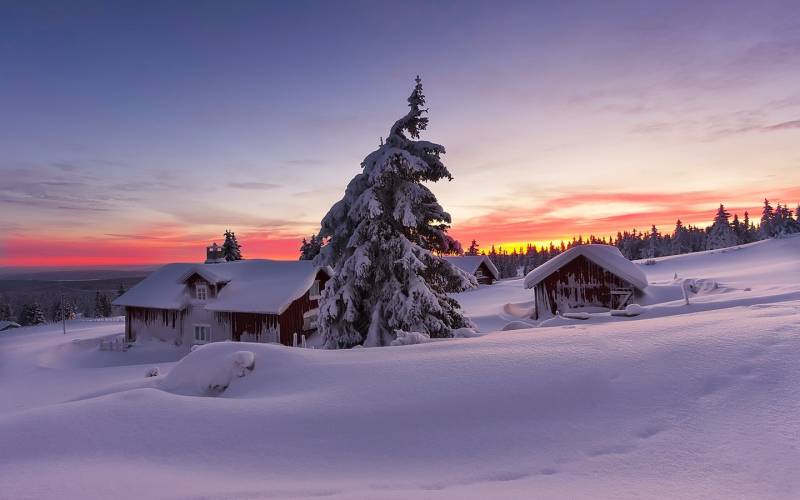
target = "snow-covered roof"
x: 606, y: 256
x: 470, y: 263
x: 204, y: 272
x: 255, y: 286
x: 5, y: 325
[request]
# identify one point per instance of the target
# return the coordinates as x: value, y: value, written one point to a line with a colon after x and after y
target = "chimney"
x: 214, y: 254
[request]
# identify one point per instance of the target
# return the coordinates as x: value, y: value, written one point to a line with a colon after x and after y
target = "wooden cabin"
x: 479, y: 266
x: 585, y: 276
x: 247, y: 300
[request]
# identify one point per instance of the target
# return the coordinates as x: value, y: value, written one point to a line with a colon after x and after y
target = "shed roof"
x: 5, y: 325
x: 254, y: 286
x: 606, y: 256
x: 470, y: 263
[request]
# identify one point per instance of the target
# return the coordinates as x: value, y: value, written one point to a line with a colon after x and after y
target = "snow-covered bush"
x: 151, y: 372
x: 409, y: 338
x: 383, y: 238
x: 465, y: 333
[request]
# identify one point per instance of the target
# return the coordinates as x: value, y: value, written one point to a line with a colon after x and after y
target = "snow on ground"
x: 696, y: 401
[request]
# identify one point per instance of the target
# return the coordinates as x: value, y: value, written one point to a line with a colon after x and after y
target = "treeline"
x: 722, y: 233
x: 53, y: 305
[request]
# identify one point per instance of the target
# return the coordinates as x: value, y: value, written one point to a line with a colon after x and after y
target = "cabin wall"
x: 484, y: 275
x: 162, y: 324
x: 213, y: 289
x: 580, y: 283
x: 195, y: 314
x: 291, y: 320
x: 250, y: 327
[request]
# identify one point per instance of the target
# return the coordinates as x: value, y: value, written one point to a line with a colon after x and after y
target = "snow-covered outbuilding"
x: 479, y: 266
x: 585, y: 276
x: 247, y: 300
x: 8, y: 325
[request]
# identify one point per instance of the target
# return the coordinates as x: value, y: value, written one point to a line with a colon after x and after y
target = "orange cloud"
x: 132, y: 249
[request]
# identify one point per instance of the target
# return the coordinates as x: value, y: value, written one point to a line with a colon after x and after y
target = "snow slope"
x: 688, y: 402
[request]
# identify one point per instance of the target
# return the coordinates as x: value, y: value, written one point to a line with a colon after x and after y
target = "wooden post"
x: 63, y: 316
x: 685, y: 292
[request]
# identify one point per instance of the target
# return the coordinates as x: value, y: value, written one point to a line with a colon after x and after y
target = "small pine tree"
x: 474, y: 248
x: 231, y: 249
x: 767, y: 220
x: 32, y: 314
x: 5, y: 312
x: 121, y: 290
x: 680, y: 239
x: 720, y: 234
x: 310, y: 248
x: 102, y: 306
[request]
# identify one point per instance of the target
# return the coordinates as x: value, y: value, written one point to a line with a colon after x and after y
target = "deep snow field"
x: 697, y: 401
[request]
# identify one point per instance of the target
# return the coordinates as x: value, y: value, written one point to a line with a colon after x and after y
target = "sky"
x: 137, y: 132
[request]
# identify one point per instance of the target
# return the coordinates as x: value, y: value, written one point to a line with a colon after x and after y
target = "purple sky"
x: 136, y: 131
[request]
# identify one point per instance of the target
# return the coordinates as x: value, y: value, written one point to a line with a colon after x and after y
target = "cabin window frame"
x: 201, y: 287
x: 201, y: 327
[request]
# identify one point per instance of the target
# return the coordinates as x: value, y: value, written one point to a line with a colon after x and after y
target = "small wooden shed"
x: 585, y: 276
x: 479, y: 266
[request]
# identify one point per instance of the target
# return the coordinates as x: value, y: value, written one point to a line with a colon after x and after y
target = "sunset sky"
x: 137, y: 132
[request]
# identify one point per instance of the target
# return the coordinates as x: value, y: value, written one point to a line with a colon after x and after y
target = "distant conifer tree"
x: 231, y: 249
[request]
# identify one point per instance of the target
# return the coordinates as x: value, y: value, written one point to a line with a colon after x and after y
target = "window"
x: 314, y: 292
x: 202, y: 333
x: 201, y: 291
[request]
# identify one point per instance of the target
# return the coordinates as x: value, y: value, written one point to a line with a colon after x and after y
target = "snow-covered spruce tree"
x: 473, y: 249
x: 231, y: 250
x: 720, y: 234
x: 767, y: 216
x: 310, y: 248
x: 5, y: 312
x: 383, y: 238
x: 32, y: 314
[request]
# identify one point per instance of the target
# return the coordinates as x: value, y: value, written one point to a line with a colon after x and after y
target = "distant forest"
x: 722, y: 233
x: 36, y: 301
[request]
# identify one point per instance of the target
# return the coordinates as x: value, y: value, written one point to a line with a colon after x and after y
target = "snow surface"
x: 255, y: 286
x: 697, y: 401
x: 607, y: 256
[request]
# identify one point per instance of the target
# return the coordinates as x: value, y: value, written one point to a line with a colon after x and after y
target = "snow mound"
x: 208, y: 371
x: 410, y: 338
x: 516, y: 325
x: 634, y: 310
x: 465, y: 333
x: 577, y: 315
x: 151, y: 372
x: 521, y: 310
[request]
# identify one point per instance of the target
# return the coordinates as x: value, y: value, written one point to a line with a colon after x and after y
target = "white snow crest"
x: 410, y: 338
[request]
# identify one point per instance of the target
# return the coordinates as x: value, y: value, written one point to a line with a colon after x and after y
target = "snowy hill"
x: 679, y: 402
